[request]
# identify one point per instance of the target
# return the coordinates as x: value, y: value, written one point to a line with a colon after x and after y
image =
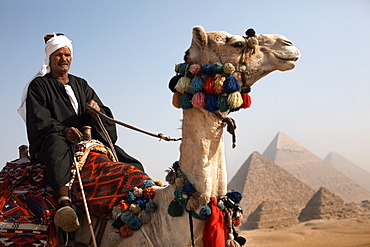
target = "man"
x: 54, y: 108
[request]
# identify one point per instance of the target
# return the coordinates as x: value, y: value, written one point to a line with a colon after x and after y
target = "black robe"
x: 50, y: 111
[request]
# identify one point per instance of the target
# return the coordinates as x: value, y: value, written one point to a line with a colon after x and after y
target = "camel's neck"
x: 202, y: 152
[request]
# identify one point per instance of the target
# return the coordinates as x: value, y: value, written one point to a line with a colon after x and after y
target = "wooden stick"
x: 85, y: 204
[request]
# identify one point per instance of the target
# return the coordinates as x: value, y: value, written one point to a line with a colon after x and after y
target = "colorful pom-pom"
x: 195, y: 69
x: 181, y: 68
x: 252, y: 42
x: 138, y: 192
x: 116, y: 212
x: 176, y: 100
x: 126, y: 232
x: 234, y: 100
x: 173, y: 82
x: 144, y: 217
x: 198, y: 100
x: 193, y: 204
x: 159, y: 183
x: 185, y: 101
x: 126, y: 216
x: 147, y: 183
x: 222, y: 103
x: 205, y: 211
x: 207, y: 70
x: 250, y: 32
x: 135, y: 208
x: 196, y: 84
x: 123, y: 205
x: 142, y: 201
x: 218, y: 68
x: 229, y: 68
x: 118, y: 223
x: 235, y: 196
x: 183, y: 85
x: 175, y: 209
x: 231, y: 85
x: 135, y: 223
x: 170, y: 177
x: 179, y: 182
x: 208, y: 86
x: 247, y: 101
x: 149, y: 193
x: 130, y: 198
x: 218, y: 84
x: 211, y: 103
x: 188, y: 188
x: 151, y: 207
x: 115, y: 238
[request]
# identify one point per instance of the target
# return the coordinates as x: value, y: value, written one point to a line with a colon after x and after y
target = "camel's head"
x: 253, y: 57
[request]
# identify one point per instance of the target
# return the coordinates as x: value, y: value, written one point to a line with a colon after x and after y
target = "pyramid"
x: 260, y: 180
x: 326, y: 205
x: 270, y: 214
x: 310, y: 169
x: 354, y: 172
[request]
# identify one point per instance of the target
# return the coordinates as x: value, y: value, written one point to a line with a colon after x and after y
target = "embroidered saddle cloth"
x: 28, y: 204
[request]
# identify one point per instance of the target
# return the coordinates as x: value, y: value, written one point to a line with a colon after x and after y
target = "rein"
x: 160, y: 135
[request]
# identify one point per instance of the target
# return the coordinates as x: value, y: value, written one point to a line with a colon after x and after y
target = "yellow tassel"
x: 235, y: 100
x: 229, y: 68
x: 183, y: 85
x: 176, y: 100
x: 193, y: 204
x: 219, y: 83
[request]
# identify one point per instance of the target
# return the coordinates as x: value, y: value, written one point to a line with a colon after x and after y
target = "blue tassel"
x: 218, y: 69
x: 196, y: 85
x: 126, y: 216
x: 151, y: 207
x: 147, y: 183
x: 235, y: 196
x: 231, y: 85
x: 222, y: 103
x: 188, y: 188
x: 142, y: 201
x: 185, y: 101
x: 211, y: 103
x: 130, y: 198
x: 205, y: 212
x: 135, y: 223
x: 207, y: 70
x: 182, y: 68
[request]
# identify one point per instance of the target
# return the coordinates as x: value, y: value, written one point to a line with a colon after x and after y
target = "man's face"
x: 60, y: 60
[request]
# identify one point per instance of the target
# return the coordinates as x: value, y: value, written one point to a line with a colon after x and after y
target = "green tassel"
x: 175, y: 209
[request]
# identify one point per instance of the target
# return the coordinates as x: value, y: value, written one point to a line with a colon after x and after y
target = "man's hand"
x: 94, y: 105
x: 71, y: 134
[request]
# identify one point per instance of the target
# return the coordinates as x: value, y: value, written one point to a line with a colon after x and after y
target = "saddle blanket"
x: 27, y: 203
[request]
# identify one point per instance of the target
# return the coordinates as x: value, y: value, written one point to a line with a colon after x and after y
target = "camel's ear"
x: 199, y: 36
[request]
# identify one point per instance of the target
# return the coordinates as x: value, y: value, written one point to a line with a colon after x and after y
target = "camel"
x: 202, y: 158
x: 202, y: 149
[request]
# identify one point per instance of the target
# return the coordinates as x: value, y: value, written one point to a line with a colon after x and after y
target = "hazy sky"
x: 127, y: 51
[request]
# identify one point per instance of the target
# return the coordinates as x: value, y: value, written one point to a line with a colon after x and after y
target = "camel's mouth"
x: 287, y: 57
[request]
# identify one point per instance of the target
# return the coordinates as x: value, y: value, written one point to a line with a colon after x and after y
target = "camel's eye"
x: 237, y: 44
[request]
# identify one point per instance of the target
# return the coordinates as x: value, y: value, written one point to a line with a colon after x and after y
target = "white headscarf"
x: 52, y: 45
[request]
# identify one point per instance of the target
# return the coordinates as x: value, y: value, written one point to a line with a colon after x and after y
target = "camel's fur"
x: 202, y: 149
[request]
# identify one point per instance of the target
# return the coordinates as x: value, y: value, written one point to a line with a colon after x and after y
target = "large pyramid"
x: 260, y: 180
x: 298, y: 161
x: 354, y: 172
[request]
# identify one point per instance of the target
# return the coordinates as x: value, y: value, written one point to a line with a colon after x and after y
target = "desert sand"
x: 314, y: 233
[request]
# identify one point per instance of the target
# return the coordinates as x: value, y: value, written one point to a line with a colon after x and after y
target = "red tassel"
x: 215, y: 229
x: 208, y: 86
x: 247, y: 101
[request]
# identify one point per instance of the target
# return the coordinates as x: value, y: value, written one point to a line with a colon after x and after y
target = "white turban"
x: 52, y: 45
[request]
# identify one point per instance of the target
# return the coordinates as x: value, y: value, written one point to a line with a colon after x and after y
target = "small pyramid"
x: 307, y: 167
x: 260, y: 180
x: 270, y: 214
x: 326, y: 205
x: 354, y: 172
